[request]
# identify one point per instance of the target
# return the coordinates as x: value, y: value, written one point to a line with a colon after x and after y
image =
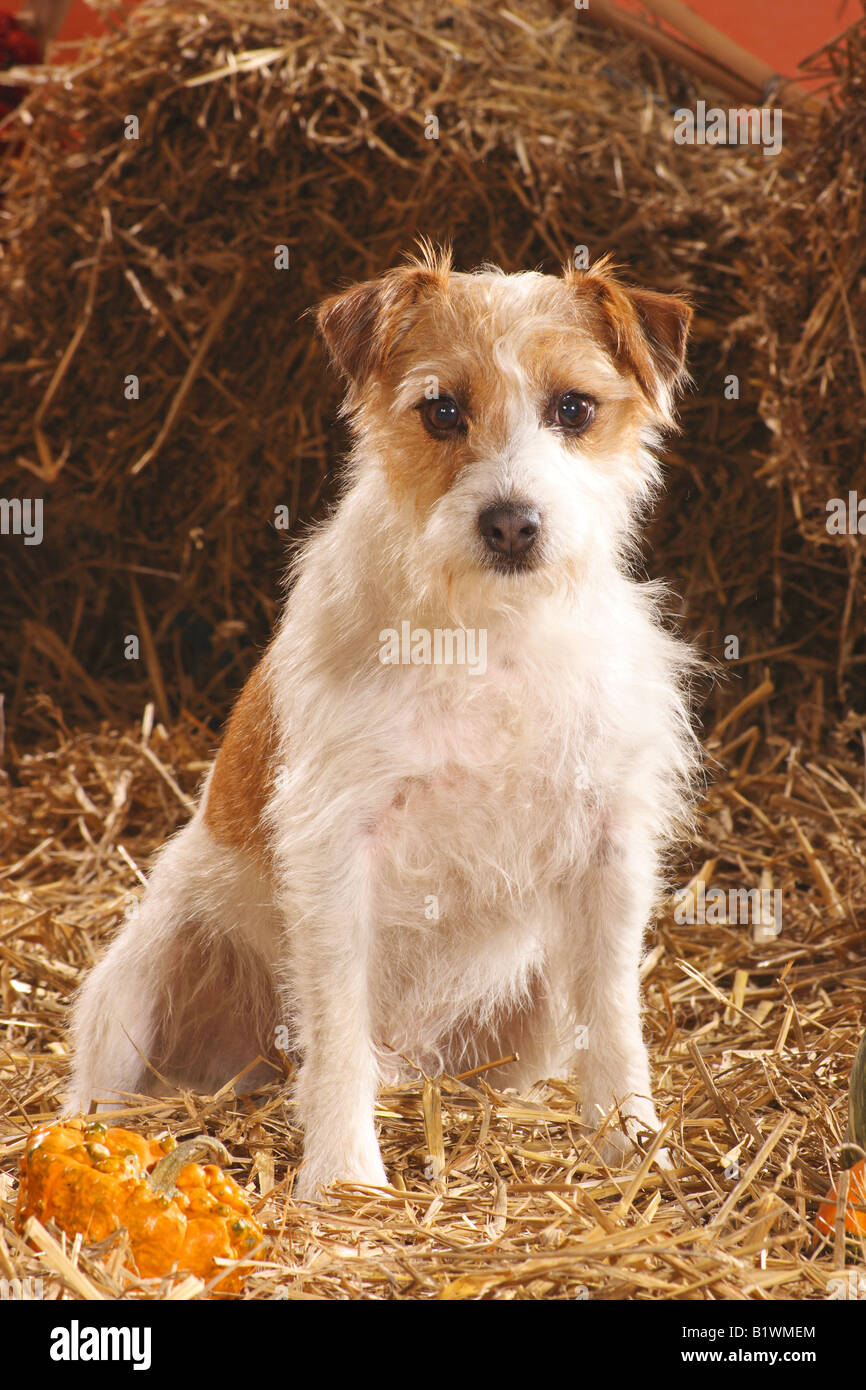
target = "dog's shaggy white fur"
x: 393, y: 857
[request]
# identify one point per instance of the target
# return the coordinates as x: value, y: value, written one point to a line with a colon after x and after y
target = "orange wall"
x: 779, y: 31
x: 81, y: 20
x: 782, y: 32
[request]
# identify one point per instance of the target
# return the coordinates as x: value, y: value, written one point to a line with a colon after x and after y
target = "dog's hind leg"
x: 186, y: 986
x: 114, y: 1018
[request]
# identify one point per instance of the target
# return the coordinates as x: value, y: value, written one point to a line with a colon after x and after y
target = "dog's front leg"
x: 330, y: 950
x: 607, y: 915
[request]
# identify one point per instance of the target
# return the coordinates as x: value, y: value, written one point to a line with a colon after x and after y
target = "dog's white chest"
x: 499, y: 797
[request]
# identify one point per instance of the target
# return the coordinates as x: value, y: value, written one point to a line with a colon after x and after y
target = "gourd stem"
x: 164, y: 1176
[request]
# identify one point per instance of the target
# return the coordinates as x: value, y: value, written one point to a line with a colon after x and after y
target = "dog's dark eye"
x: 441, y: 416
x: 574, y: 411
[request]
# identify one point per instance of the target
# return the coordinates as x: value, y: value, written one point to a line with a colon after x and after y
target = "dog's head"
x: 509, y: 418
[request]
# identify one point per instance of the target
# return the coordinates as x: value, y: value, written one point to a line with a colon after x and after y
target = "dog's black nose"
x: 510, y: 529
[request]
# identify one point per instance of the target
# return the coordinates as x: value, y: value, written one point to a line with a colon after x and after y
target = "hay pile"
x: 156, y: 257
x: 306, y: 128
x: 751, y: 1043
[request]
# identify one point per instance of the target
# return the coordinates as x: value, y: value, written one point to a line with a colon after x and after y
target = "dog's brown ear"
x: 362, y: 325
x: 350, y: 325
x: 646, y: 331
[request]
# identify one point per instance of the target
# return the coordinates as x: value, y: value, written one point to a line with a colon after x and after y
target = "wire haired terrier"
x: 448, y: 860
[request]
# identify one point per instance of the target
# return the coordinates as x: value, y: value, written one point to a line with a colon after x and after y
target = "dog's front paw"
x: 620, y: 1146
x: 614, y: 1150
x: 321, y: 1171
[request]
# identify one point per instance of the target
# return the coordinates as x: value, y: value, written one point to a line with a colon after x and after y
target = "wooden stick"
x: 726, y: 53
x: 44, y: 18
x: 606, y: 13
x: 708, y: 68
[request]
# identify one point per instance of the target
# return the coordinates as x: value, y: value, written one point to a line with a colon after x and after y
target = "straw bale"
x: 306, y: 128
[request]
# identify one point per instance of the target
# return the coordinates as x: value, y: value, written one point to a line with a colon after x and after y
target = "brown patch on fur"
x: 420, y: 468
x: 645, y: 331
x: 241, y: 779
x: 362, y: 325
x: 424, y: 472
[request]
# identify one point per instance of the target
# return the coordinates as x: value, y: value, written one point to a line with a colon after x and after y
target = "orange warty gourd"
x: 855, y: 1221
x: 179, y: 1213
